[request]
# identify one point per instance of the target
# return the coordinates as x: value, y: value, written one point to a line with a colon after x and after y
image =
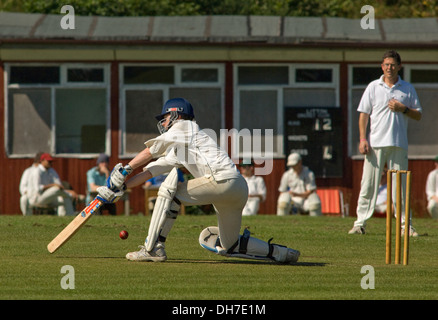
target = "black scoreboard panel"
x: 316, y: 134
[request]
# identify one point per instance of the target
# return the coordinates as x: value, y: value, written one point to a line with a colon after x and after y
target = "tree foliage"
x: 306, y: 8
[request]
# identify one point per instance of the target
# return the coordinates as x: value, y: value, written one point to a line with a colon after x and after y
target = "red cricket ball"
x: 123, y: 234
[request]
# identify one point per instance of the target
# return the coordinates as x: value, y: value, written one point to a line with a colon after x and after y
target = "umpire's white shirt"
x: 388, y: 128
x: 185, y: 144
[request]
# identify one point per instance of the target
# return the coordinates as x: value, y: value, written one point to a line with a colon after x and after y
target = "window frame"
x: 63, y: 84
x: 423, y: 85
x: 293, y: 84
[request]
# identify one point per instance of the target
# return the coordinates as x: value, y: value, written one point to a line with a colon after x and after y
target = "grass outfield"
x: 329, y: 267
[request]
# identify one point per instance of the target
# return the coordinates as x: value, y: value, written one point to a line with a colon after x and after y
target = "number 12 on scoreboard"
x: 324, y: 124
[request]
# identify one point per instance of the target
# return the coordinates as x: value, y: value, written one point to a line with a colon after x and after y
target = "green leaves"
x: 304, y: 8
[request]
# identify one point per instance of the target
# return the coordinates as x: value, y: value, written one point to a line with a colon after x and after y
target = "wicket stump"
x: 389, y: 207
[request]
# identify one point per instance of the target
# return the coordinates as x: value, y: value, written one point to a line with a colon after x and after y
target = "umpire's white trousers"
x: 228, y: 197
x: 396, y: 159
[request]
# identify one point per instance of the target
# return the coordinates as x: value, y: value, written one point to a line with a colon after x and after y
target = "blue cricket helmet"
x: 179, y: 105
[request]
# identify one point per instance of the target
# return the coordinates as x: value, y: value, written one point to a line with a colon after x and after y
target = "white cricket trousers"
x: 228, y: 197
x: 396, y: 159
x: 252, y: 206
x: 57, y: 197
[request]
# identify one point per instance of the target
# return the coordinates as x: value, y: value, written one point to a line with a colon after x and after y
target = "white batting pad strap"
x: 162, y: 206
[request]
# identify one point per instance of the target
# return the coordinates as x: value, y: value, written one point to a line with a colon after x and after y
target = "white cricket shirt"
x: 388, y: 128
x: 185, y: 144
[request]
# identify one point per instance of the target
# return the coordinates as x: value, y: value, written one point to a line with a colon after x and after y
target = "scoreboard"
x: 316, y: 134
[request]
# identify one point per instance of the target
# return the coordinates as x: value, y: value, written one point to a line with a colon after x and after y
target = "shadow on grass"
x: 230, y: 261
x: 249, y: 262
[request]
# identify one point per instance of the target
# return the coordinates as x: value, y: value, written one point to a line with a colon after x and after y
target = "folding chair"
x: 332, y: 202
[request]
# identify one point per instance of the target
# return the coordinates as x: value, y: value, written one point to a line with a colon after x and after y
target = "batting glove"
x: 107, y: 195
x: 118, y: 176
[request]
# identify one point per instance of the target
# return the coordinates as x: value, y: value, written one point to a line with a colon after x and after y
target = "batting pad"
x: 256, y: 249
x: 166, y: 192
x: 209, y: 239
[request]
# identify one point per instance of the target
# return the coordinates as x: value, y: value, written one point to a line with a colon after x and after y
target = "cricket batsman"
x: 217, y: 181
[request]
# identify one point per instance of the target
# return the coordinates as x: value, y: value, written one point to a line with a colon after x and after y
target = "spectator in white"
x: 46, y: 188
x: 298, y: 189
x: 432, y: 191
x: 256, y: 189
x: 25, y: 185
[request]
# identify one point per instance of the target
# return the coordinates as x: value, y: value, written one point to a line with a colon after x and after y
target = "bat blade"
x: 74, y: 225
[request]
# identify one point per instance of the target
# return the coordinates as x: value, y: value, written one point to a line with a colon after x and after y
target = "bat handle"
x: 126, y: 170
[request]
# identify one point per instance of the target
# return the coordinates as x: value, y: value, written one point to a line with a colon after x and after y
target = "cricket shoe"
x: 357, y: 230
x: 292, y: 256
x: 412, y: 232
x: 283, y: 254
x: 158, y: 254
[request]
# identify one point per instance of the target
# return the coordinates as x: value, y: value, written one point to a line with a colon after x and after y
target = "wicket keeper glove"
x: 107, y: 195
x: 118, y: 176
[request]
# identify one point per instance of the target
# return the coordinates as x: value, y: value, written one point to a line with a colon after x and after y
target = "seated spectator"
x: 298, y: 189
x: 432, y: 191
x: 46, y: 189
x: 96, y: 177
x: 256, y: 189
x: 25, y: 184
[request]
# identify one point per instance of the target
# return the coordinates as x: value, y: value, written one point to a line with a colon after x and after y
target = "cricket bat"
x: 75, y: 225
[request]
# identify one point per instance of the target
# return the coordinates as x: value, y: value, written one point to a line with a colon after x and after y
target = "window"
x: 145, y: 88
x: 61, y: 109
x: 85, y: 75
x: 263, y: 92
x: 148, y: 75
x: 314, y: 75
x: 34, y: 75
x: 263, y: 75
x: 424, y: 76
x: 362, y: 76
x: 422, y: 134
x: 79, y: 121
x: 199, y: 75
